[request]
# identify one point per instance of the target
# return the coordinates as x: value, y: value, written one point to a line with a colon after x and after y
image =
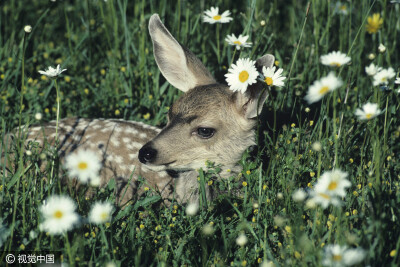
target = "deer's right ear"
x: 178, y: 65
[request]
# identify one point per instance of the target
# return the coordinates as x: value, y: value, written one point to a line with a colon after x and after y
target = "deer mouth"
x: 159, y: 167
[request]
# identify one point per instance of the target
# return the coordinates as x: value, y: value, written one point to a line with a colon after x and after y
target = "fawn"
x: 208, y: 122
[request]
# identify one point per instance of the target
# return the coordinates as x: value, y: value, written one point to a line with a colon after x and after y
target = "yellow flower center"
x: 58, y: 214
x: 217, y: 17
x: 332, y: 186
x: 368, y: 116
x: 335, y: 64
x: 104, y: 216
x: 337, y: 257
x: 343, y: 8
x: 237, y: 42
x: 243, y: 76
x: 325, y: 196
x: 384, y: 79
x: 324, y: 90
x: 82, y: 166
x: 268, y: 80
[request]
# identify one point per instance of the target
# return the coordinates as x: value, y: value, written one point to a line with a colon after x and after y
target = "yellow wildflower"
x: 374, y: 23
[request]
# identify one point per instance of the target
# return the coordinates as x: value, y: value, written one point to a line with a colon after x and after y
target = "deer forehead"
x: 203, y: 101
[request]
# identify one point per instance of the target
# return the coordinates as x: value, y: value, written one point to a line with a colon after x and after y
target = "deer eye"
x: 205, y: 132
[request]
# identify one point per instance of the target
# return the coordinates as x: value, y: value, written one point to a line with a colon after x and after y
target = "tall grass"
x: 111, y: 72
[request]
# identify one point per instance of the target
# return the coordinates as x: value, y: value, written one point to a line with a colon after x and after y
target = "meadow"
x: 278, y: 219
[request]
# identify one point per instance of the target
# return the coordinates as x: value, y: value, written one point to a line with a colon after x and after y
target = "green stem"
x: 58, y: 113
x: 70, y: 258
x: 218, y: 27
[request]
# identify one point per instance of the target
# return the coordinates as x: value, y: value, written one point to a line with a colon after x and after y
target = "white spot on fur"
x: 35, y: 129
x: 143, y: 135
x: 162, y: 174
x: 96, y: 126
x: 131, y: 130
x: 134, y: 145
x: 133, y: 156
x: 114, y: 141
x: 118, y: 159
x: 126, y: 139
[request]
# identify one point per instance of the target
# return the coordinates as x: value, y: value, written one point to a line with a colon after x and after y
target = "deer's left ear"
x: 252, y: 101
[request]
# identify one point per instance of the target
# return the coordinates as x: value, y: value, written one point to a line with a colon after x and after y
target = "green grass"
x: 111, y: 72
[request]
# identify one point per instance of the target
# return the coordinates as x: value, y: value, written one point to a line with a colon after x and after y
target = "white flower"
x: 84, y: 164
x: 95, y: 181
x: 321, y: 87
x: 341, y: 8
x: 299, y: 195
x: 336, y: 255
x: 397, y: 81
x: 241, y: 75
x: 52, y: 72
x: 212, y: 16
x: 273, y: 78
x: 240, y: 41
x: 330, y: 186
x: 38, y: 116
x: 381, y: 48
x: 241, y: 240
x: 368, y: 111
x: 192, y: 209
x: 28, y: 28
x: 371, y: 70
x: 101, y: 212
x: 59, y: 215
x: 323, y: 199
x: 383, y: 76
x: 353, y: 256
x: 333, y: 182
x: 335, y: 59
x: 317, y: 146
x: 333, y: 256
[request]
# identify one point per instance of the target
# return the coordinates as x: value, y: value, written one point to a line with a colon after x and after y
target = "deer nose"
x: 147, y: 154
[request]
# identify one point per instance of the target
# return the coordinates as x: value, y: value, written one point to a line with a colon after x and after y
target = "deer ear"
x: 252, y: 101
x: 179, y: 66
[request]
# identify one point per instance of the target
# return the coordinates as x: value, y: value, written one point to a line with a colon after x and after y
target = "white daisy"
x: 212, y: 16
x: 335, y: 59
x: 371, y: 70
x: 330, y: 186
x: 383, y: 76
x: 323, y: 199
x: 341, y: 8
x: 321, y: 87
x: 101, y: 212
x: 59, y: 215
x: 336, y: 255
x: 333, y: 182
x: 299, y: 195
x: 84, y: 164
x: 273, y: 78
x: 353, y: 256
x: 192, y: 209
x: 397, y: 81
x: 52, y: 72
x: 368, y: 111
x: 242, y: 74
x: 241, y: 240
x: 240, y: 41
